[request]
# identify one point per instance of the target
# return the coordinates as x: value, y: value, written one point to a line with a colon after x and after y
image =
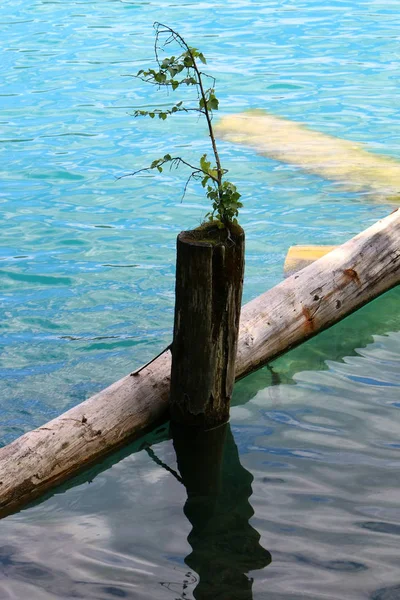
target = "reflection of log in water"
x: 225, y: 547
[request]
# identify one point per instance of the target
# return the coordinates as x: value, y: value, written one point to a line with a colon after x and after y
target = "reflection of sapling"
x: 184, y: 70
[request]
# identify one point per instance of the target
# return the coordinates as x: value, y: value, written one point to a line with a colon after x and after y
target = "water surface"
x: 86, y: 294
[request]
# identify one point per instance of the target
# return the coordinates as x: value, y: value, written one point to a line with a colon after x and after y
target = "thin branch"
x: 191, y: 176
x: 183, y: 44
x: 175, y: 161
x: 157, y: 83
x: 168, y: 111
x: 172, y: 72
x: 162, y: 464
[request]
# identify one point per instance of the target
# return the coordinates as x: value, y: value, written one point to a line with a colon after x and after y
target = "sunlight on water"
x: 87, y: 293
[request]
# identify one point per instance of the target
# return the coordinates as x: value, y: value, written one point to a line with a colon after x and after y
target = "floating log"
x: 208, y: 298
x: 330, y: 157
x: 298, y: 257
x: 290, y: 313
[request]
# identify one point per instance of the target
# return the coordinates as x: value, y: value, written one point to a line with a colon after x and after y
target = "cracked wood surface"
x: 208, y: 297
x: 290, y: 313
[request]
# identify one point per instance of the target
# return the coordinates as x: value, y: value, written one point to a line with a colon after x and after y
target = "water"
x: 87, y: 278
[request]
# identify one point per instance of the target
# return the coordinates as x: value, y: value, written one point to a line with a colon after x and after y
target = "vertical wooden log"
x: 209, y: 280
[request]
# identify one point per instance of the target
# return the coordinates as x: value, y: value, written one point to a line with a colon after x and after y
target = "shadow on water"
x: 225, y: 547
x: 356, y: 330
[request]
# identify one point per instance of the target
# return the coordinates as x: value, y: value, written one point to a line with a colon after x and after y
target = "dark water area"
x: 296, y: 498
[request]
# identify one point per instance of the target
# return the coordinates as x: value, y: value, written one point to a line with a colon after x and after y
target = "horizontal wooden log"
x: 298, y: 257
x: 331, y: 157
x: 290, y: 313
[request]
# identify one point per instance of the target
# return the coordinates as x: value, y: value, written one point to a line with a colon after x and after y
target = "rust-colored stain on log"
x: 352, y: 274
x: 309, y: 320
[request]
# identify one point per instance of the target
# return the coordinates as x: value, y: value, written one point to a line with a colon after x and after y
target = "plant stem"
x: 207, y: 115
x: 206, y: 111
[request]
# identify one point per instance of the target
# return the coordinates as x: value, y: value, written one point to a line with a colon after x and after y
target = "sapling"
x: 185, y: 70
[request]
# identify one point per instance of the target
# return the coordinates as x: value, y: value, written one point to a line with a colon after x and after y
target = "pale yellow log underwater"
x: 325, y: 155
x: 298, y: 257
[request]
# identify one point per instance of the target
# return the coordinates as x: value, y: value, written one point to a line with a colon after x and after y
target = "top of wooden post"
x: 209, y: 234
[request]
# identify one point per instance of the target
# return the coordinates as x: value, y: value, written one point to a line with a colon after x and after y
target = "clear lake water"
x: 309, y: 505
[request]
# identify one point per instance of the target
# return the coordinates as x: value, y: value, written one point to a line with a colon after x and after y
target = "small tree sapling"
x: 185, y: 70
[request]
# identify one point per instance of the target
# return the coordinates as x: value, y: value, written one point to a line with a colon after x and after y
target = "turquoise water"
x: 86, y: 294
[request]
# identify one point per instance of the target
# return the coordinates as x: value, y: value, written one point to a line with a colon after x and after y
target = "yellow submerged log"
x: 298, y: 257
x: 327, y: 156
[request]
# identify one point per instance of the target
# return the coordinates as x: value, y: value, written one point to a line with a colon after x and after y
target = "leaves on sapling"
x: 179, y: 70
x: 210, y: 101
x: 162, y: 114
x: 205, y: 164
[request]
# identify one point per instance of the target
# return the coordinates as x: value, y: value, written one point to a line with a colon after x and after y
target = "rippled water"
x: 309, y: 503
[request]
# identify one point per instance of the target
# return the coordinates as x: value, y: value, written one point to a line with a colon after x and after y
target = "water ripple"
x: 87, y: 291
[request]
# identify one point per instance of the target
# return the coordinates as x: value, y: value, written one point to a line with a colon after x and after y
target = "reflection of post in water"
x: 225, y: 547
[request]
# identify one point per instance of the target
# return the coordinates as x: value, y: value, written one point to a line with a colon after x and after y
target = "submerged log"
x: 298, y: 257
x: 290, y: 313
x: 208, y: 297
x: 333, y: 158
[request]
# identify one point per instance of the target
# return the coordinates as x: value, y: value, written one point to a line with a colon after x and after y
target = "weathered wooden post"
x: 209, y: 280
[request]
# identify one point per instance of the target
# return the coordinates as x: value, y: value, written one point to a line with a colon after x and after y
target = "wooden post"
x: 209, y: 280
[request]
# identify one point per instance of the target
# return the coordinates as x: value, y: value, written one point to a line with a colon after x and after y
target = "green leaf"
x: 205, y: 164
x: 189, y: 81
x: 223, y: 195
x: 167, y: 62
x: 160, y: 77
x: 213, y: 102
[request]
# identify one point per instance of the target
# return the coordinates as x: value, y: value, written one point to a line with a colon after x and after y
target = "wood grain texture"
x: 320, y: 295
x: 208, y: 296
x: 290, y: 313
